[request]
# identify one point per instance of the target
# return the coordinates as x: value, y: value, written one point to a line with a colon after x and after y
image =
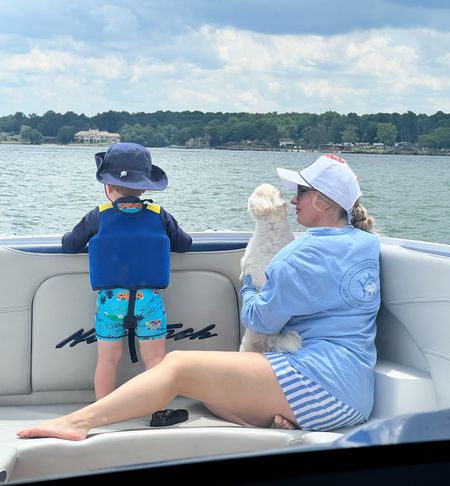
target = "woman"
x: 325, y: 285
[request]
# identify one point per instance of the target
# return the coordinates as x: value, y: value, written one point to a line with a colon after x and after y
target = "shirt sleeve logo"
x: 360, y: 286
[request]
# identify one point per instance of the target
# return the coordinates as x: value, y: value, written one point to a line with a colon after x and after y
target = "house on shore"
x: 96, y: 136
x: 287, y: 143
x: 198, y: 142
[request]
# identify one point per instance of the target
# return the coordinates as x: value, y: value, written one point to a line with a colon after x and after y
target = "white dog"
x: 268, y: 209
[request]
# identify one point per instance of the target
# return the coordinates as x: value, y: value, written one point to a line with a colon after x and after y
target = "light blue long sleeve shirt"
x: 326, y: 285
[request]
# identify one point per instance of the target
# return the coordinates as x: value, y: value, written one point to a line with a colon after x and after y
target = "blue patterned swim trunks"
x: 112, y: 307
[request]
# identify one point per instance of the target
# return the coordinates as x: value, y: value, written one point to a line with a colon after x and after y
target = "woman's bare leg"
x: 237, y: 386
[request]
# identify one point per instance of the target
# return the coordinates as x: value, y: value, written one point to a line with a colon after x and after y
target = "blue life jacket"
x: 131, y: 249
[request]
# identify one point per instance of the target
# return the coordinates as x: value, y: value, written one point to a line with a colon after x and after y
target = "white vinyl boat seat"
x: 48, y: 355
x: 133, y: 441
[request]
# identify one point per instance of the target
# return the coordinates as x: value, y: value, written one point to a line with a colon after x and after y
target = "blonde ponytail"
x: 360, y: 218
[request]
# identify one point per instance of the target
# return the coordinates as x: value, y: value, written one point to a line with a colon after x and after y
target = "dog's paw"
x: 288, y: 343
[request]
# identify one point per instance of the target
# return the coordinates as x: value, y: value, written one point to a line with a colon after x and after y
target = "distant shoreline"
x: 368, y: 151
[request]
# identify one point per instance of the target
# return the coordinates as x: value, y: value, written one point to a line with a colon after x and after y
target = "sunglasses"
x: 301, y: 190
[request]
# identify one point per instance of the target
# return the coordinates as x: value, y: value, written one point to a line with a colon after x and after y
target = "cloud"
x: 322, y: 17
x: 235, y: 55
x: 158, y: 21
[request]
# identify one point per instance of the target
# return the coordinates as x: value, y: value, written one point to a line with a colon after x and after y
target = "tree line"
x: 164, y: 128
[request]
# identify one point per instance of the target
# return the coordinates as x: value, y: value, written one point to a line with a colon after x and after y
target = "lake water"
x: 46, y: 189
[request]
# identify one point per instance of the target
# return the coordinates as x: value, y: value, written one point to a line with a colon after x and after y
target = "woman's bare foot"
x: 279, y: 422
x: 60, y: 428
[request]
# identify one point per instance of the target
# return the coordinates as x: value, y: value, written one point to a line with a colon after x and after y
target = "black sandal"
x: 163, y: 418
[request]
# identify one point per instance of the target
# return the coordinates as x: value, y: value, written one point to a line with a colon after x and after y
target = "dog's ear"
x: 279, y: 201
x: 259, y: 204
x: 266, y: 199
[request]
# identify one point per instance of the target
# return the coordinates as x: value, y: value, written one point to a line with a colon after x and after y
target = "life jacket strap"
x: 130, y: 323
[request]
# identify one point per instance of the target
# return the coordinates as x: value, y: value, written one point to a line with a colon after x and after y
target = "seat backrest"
x: 413, y: 338
x: 47, y: 340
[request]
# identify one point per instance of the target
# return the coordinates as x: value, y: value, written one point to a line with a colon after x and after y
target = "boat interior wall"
x: 414, y: 327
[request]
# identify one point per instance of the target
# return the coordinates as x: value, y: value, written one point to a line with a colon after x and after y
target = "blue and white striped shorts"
x: 314, y: 408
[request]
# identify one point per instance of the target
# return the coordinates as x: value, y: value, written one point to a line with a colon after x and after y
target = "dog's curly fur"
x: 269, y: 210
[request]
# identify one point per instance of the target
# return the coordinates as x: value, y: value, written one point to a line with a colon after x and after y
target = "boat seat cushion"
x: 63, y: 340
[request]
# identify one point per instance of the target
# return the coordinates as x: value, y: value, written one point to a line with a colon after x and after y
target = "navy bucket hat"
x: 129, y: 165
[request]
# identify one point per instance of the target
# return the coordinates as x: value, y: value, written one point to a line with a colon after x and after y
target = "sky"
x: 257, y: 56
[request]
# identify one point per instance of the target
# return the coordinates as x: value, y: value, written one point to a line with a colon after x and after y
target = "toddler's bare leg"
x: 152, y: 351
x: 109, y: 355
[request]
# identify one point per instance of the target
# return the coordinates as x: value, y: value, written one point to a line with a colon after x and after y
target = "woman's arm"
x: 280, y: 298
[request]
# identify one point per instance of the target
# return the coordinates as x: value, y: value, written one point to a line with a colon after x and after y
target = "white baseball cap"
x: 330, y: 175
